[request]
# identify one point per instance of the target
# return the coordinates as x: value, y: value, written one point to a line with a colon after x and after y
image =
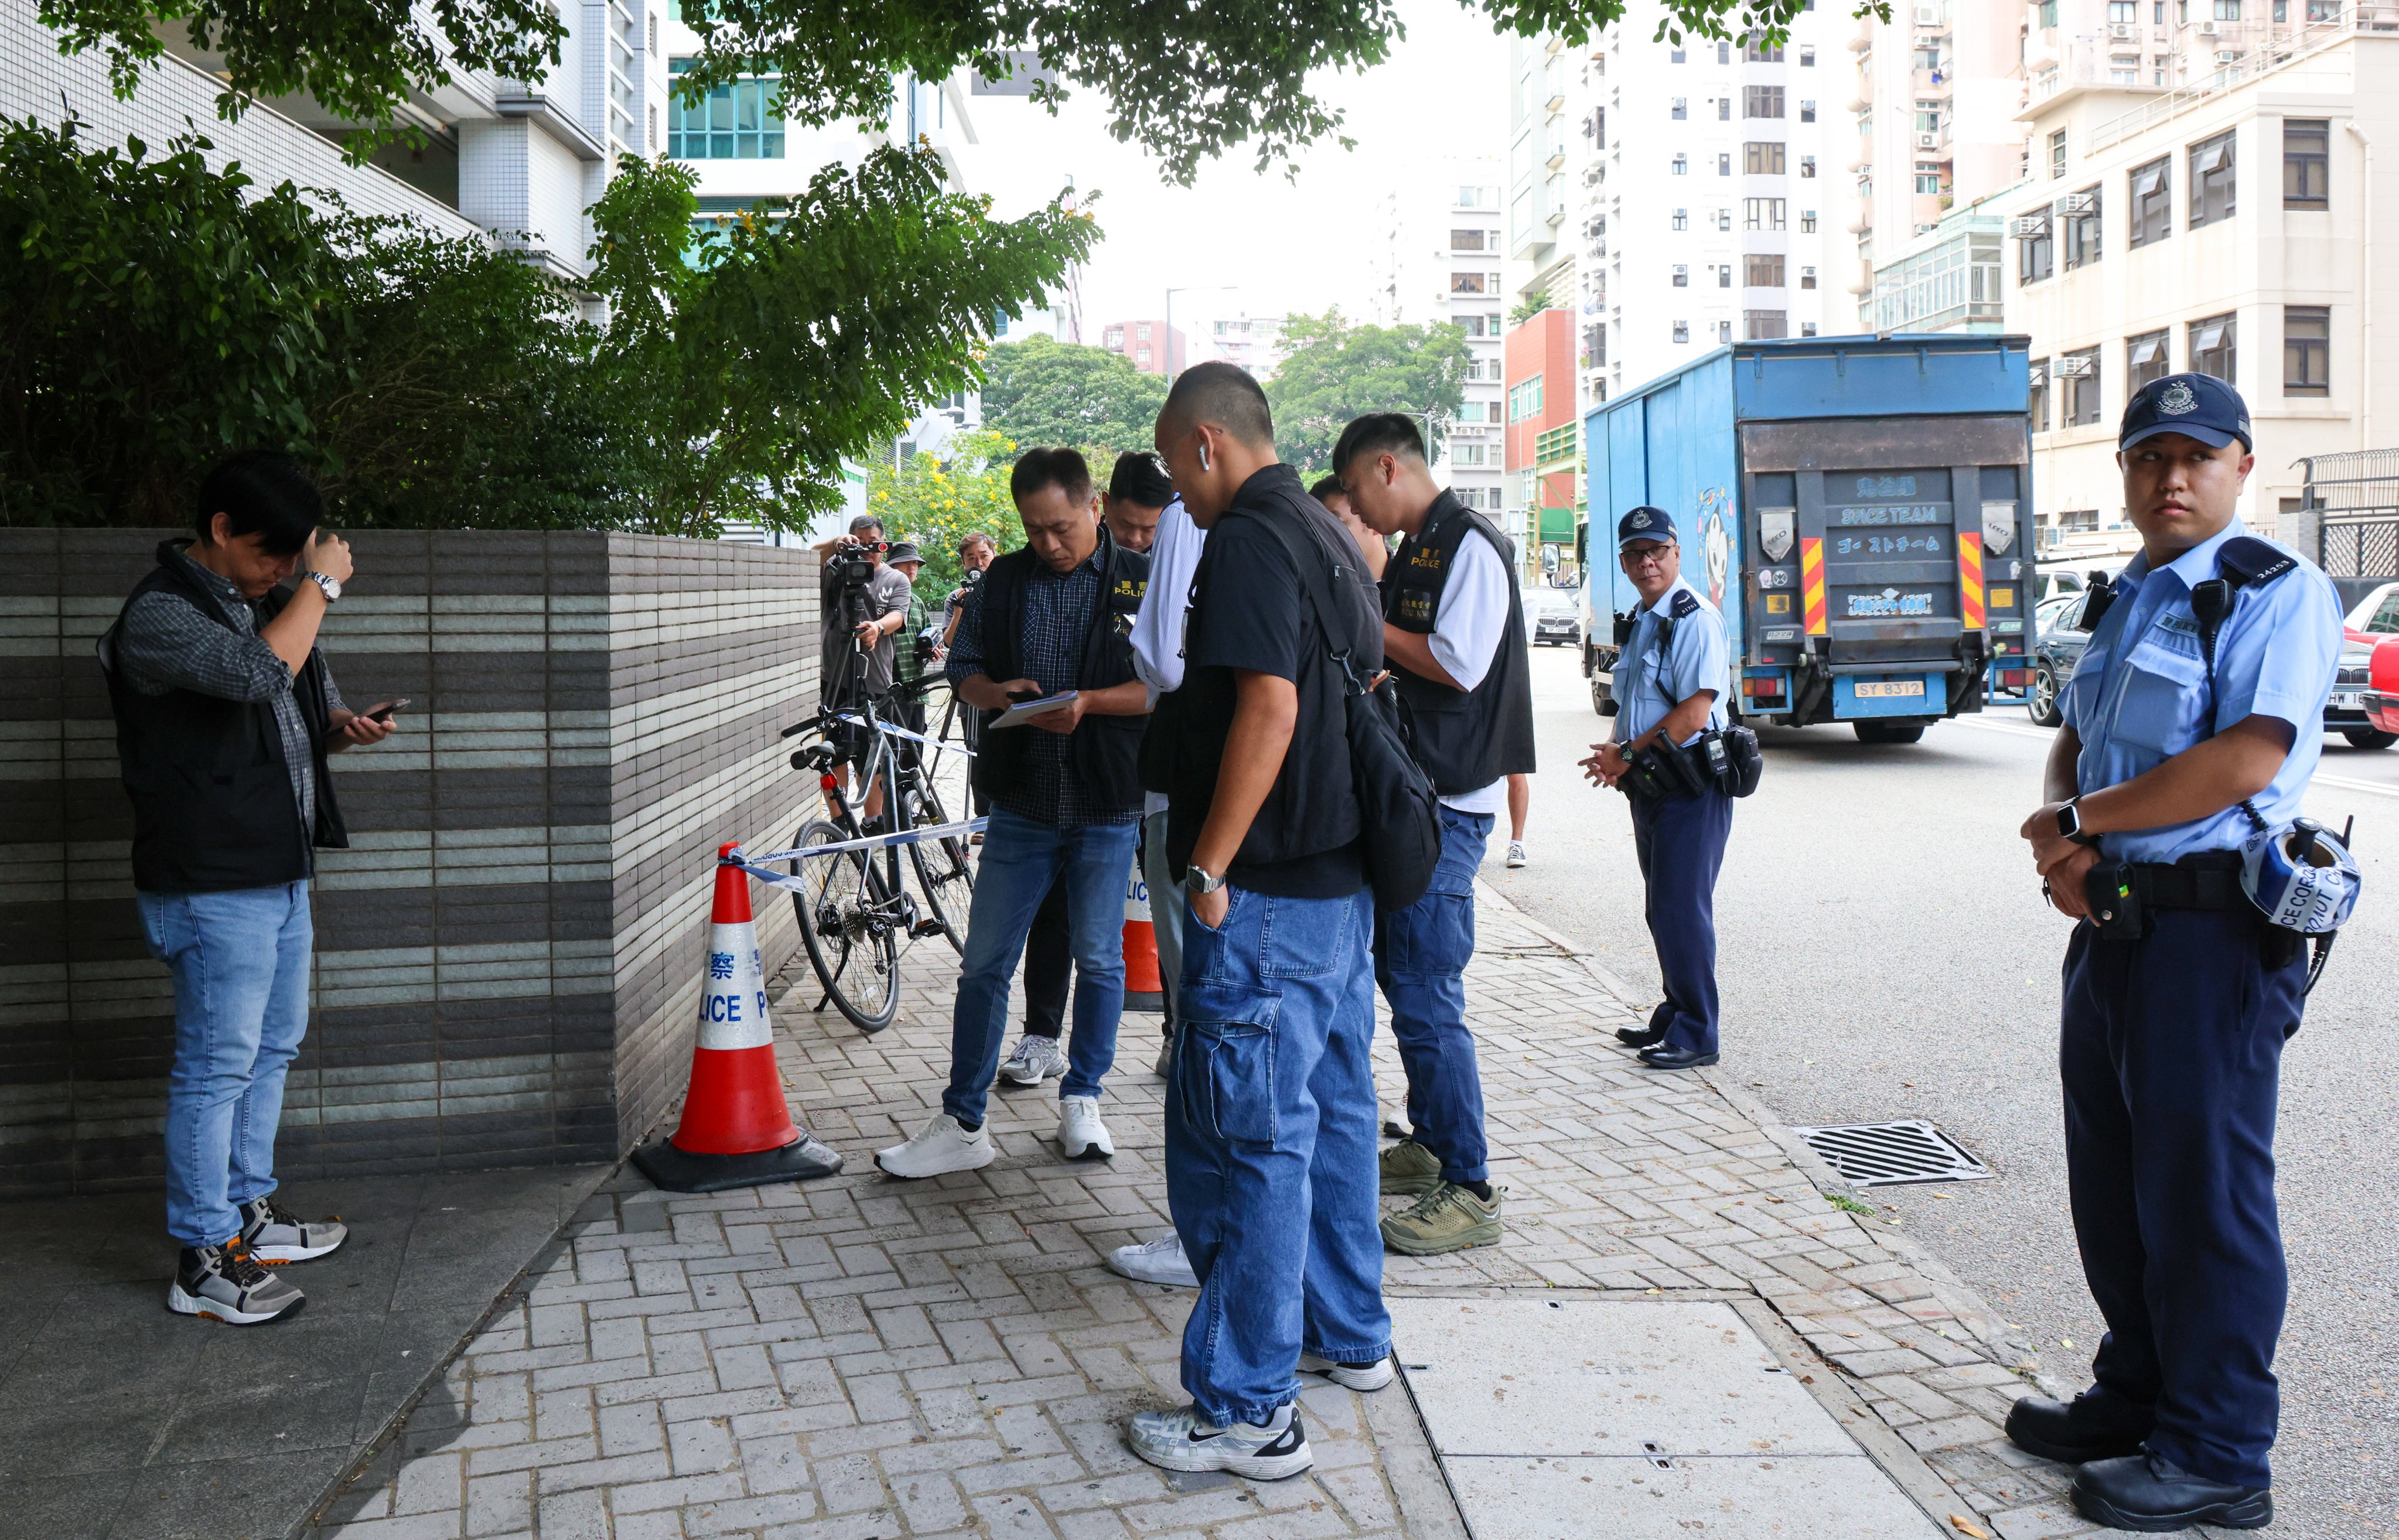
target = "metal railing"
x: 2381, y: 17
x: 2354, y: 499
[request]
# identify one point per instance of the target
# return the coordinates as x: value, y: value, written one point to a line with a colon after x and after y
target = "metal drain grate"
x: 1880, y: 1154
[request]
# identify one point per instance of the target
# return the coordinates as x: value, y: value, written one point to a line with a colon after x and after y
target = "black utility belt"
x: 2122, y: 893
x: 1726, y: 760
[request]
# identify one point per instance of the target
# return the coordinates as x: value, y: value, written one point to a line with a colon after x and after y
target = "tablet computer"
x: 1017, y: 715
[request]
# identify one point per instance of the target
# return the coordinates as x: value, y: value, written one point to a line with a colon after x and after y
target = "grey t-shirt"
x: 886, y: 591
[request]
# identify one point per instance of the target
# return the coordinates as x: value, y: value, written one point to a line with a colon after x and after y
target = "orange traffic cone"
x: 736, y: 1130
x: 1142, y: 990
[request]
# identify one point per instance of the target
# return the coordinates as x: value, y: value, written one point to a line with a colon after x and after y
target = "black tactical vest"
x: 1465, y: 739
x: 1104, y: 751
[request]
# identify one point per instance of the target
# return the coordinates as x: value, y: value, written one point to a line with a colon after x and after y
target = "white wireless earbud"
x: 1203, y: 456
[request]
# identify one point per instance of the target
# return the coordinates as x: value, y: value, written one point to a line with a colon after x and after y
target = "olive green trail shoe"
x: 1409, y: 1169
x: 1447, y: 1219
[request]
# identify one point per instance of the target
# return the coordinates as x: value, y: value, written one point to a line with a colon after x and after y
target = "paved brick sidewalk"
x: 864, y: 1359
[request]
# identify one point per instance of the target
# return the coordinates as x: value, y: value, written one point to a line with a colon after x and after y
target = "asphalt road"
x: 1883, y: 953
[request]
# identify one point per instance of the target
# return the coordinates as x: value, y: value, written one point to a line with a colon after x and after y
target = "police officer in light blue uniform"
x: 2194, y: 719
x: 1669, y: 688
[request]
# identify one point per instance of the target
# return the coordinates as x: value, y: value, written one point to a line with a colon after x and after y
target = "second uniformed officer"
x: 2193, y: 720
x: 1670, y: 678
x: 1454, y: 635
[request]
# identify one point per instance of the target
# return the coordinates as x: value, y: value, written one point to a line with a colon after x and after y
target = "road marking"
x: 2339, y: 782
x: 2045, y: 735
x: 2347, y: 785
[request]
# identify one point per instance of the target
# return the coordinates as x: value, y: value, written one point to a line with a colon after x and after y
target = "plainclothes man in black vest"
x: 1066, y: 793
x: 1454, y: 636
x: 225, y: 711
x: 1270, y: 1102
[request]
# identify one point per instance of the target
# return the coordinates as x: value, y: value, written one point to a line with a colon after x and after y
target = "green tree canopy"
x: 937, y: 502
x: 1044, y: 392
x: 1336, y: 372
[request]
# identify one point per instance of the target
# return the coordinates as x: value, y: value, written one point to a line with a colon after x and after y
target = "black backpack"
x: 1398, y: 815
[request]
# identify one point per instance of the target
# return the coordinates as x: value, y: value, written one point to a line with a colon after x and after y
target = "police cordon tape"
x: 941, y: 744
x: 733, y: 856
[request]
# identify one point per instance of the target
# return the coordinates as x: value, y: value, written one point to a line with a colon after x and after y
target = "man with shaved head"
x: 1270, y: 1114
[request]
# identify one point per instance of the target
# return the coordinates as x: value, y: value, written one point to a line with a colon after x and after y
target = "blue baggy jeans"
x: 1020, y: 859
x: 1420, y: 957
x: 1270, y: 1148
x: 240, y: 964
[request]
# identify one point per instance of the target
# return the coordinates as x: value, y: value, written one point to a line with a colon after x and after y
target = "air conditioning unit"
x: 2228, y: 55
x: 1929, y: 15
x: 1928, y: 141
x: 2074, y: 367
x: 2029, y: 227
x: 2079, y: 203
x: 2207, y: 29
x: 2121, y: 34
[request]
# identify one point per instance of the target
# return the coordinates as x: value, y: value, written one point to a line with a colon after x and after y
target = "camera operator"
x: 864, y: 603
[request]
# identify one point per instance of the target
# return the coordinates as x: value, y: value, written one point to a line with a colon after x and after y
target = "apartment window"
x: 732, y: 122
x: 1762, y: 271
x: 1807, y: 166
x: 1722, y: 271
x: 1466, y: 240
x: 1465, y: 283
x: 2227, y: 11
x: 1928, y: 178
x: 2124, y: 71
x: 1865, y: 124
x: 2057, y: 155
x: 1682, y: 276
x: 1724, y: 109
x: 1806, y: 277
x: 2211, y: 180
x: 2145, y: 360
x: 1141, y: 333
x: 2212, y: 345
x: 2123, y: 13
x: 1682, y: 331
x: 1808, y: 111
x: 2079, y: 216
x: 1928, y: 117
x: 1680, y: 164
x: 651, y: 143
x: 1762, y: 213
x: 1682, y: 219
x: 2036, y: 254
x: 1681, y: 109
x: 1466, y: 454
x: 1141, y: 355
x: 2049, y: 14
x: 2037, y: 400
x: 1676, y: 57
x: 1763, y: 159
x: 2158, y: 13
x: 1724, y: 164
x: 2306, y: 162
x: 1470, y: 412
x: 1806, y: 59
x: 2307, y: 350
x: 2082, y: 372
x: 1758, y: 325
x: 1928, y: 59
x: 1762, y: 102
x: 1757, y: 53
x: 2153, y: 202
x: 1724, y: 216
x: 1807, y: 222
x: 1525, y: 400
x: 1724, y: 51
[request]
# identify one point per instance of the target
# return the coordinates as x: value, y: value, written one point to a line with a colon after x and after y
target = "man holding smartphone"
x: 225, y: 713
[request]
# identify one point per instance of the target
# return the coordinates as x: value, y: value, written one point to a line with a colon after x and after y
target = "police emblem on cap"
x: 2175, y: 399
x: 1640, y: 519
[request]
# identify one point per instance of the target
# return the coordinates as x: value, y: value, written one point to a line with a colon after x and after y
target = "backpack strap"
x: 1317, y: 577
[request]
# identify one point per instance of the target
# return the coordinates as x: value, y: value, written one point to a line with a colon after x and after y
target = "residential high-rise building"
x: 1442, y: 260
x: 1144, y: 345
x: 1254, y: 342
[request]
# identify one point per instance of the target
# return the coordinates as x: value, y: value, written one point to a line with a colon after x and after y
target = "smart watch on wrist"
x: 1199, y: 883
x: 2069, y: 822
x: 332, y: 586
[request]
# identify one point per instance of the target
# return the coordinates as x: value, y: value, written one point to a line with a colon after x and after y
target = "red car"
x: 2382, y: 697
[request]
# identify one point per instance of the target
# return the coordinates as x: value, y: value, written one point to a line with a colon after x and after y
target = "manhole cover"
x: 1879, y: 1154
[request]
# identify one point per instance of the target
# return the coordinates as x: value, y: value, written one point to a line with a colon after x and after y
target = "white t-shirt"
x: 1158, y: 625
x: 1467, y: 632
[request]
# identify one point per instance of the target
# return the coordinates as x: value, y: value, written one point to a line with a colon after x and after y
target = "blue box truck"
x: 1859, y: 508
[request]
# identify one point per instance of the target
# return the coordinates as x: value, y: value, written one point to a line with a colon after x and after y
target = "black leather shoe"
x: 2150, y: 1493
x: 2077, y: 1431
x: 1675, y: 1058
x: 1641, y: 1037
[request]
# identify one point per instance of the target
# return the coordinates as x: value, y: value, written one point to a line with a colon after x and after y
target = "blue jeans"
x: 1420, y: 957
x: 1021, y: 858
x: 1270, y: 1148
x: 240, y: 962
x: 1680, y: 842
x: 1168, y: 903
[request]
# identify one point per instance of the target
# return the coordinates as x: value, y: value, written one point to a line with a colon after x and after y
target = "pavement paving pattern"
x: 860, y: 1359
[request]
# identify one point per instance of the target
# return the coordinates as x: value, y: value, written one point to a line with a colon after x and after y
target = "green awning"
x: 1557, y: 526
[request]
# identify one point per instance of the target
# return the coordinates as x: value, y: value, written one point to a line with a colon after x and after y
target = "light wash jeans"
x: 1270, y: 1154
x: 1420, y: 957
x: 1020, y: 859
x: 240, y: 962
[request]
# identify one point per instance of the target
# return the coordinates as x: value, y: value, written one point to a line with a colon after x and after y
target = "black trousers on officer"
x: 2170, y: 1049
x: 1680, y: 841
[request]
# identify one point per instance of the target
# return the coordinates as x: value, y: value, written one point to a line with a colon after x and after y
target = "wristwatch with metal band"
x: 332, y: 586
x: 2069, y: 822
x: 1198, y: 882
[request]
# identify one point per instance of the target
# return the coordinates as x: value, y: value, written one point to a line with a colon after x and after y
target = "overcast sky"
x: 1287, y: 246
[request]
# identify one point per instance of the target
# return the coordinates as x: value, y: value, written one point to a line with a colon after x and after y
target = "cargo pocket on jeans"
x: 1227, y: 1040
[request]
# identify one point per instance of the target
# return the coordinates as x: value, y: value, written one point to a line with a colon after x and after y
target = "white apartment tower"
x: 1443, y: 261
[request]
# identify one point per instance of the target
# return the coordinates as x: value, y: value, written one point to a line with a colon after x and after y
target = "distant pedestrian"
x: 1670, y: 678
x: 225, y: 713
x: 1520, y: 803
x: 1065, y: 790
x: 1371, y: 547
x: 1270, y: 1117
x: 2192, y: 725
x: 1454, y: 638
x: 913, y: 647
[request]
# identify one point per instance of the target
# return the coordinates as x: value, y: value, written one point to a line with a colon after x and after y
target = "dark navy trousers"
x: 2170, y: 1049
x: 1681, y: 842
x: 1420, y: 957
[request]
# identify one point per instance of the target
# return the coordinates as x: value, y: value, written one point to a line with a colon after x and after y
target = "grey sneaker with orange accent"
x: 275, y: 1236
x: 224, y: 1283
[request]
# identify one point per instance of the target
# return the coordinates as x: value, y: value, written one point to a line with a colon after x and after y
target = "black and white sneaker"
x: 223, y: 1283
x: 274, y: 1236
x: 1371, y: 1375
x: 1184, y: 1441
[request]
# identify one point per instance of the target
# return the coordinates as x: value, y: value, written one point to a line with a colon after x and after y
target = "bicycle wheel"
x: 848, y: 920
x: 943, y: 875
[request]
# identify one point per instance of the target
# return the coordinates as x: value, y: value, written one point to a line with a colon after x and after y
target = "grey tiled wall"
x: 508, y: 956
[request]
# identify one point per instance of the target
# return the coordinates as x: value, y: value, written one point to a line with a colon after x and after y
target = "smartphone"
x: 1020, y: 696
x: 383, y: 712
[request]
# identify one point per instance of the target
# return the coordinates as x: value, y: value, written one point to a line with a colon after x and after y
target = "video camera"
x: 854, y: 561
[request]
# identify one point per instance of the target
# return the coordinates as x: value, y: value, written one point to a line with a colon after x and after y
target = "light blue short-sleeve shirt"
x: 1651, y: 680
x: 2141, y: 696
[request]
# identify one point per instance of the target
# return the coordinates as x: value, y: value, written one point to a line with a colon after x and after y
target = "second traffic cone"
x: 1142, y: 990
x: 736, y: 1129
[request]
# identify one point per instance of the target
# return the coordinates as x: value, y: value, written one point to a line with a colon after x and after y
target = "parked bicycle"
x: 854, y: 906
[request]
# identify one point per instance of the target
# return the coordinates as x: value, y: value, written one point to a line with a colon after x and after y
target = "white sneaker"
x: 1160, y: 1261
x: 1081, y: 1135
x: 1036, y: 1060
x: 1184, y: 1441
x: 1356, y: 1376
x: 1516, y: 855
x: 941, y: 1148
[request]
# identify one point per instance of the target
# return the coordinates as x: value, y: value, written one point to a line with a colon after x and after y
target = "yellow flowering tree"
x: 937, y: 502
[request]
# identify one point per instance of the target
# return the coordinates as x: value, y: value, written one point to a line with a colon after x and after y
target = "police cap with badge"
x: 1727, y: 758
